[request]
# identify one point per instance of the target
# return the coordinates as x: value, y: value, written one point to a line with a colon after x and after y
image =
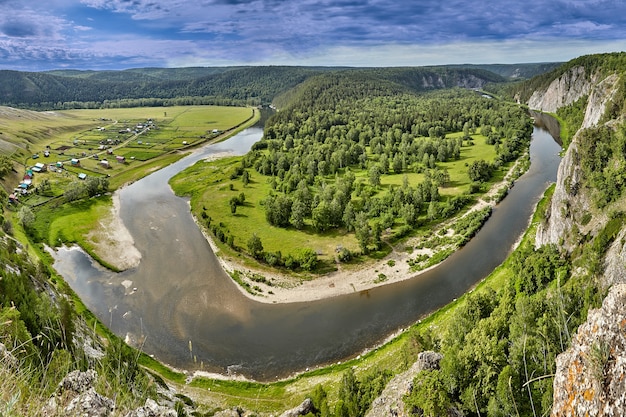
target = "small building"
x: 75, y: 161
x: 120, y: 159
x: 42, y: 167
x: 59, y: 164
x: 104, y: 163
x: 13, y: 199
x: 82, y: 176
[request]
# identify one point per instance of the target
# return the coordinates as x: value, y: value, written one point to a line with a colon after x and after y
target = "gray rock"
x: 428, y: 360
x: 590, y: 376
x: 303, y: 409
x: 77, y: 381
x: 89, y: 404
x: 390, y: 403
x: 152, y: 409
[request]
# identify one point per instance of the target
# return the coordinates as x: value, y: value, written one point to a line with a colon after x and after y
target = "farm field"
x: 55, y: 148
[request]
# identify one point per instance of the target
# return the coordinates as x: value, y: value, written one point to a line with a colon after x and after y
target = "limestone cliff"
x: 564, y: 90
x: 571, y: 201
x: 590, y: 378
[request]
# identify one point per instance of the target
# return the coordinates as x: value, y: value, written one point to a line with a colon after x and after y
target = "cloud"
x: 106, y: 33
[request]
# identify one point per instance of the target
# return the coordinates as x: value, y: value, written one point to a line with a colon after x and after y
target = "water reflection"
x: 182, y: 295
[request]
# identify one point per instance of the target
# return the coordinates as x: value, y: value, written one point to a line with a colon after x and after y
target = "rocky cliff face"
x: 570, y: 201
x: 563, y: 91
x: 590, y: 377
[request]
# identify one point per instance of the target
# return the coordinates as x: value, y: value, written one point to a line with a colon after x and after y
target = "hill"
x: 236, y: 85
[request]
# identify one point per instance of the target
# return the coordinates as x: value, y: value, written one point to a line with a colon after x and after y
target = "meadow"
x: 212, y: 185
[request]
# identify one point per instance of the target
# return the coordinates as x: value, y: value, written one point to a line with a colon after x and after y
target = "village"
x: 109, y: 149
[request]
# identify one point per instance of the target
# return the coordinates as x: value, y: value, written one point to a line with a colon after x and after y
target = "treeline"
x: 43, y: 91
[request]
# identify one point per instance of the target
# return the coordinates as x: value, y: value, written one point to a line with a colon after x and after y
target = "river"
x: 181, y: 307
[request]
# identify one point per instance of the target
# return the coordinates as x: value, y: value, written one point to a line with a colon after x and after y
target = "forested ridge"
x: 212, y: 85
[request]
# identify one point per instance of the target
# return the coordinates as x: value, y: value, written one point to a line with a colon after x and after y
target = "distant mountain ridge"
x: 218, y: 85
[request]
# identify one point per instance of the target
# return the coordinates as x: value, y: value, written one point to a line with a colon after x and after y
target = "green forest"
x: 353, y: 157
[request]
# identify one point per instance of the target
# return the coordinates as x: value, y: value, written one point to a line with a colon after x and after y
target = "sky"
x: 38, y: 35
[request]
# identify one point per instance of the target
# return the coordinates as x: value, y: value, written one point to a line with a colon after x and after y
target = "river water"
x: 181, y: 307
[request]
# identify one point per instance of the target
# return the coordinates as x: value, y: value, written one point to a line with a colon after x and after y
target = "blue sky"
x: 40, y: 35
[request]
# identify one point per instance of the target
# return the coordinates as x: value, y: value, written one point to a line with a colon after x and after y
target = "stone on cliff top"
x: 590, y: 376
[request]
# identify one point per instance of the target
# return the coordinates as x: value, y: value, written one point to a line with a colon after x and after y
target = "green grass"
x: 210, y: 186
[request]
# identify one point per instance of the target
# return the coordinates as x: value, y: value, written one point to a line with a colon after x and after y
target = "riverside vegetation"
x: 499, y: 341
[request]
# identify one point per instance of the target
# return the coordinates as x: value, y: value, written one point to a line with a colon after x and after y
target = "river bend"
x: 188, y: 313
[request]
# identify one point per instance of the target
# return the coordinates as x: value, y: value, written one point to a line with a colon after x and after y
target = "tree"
x: 245, y: 177
x: 321, y: 216
x: 233, y: 204
x: 479, y: 171
x: 255, y: 246
x: 362, y: 231
x: 26, y: 217
x: 278, y: 210
x: 6, y: 165
x: 298, y: 213
x: 374, y: 175
x: 74, y: 191
x: 429, y: 393
x: 397, y: 163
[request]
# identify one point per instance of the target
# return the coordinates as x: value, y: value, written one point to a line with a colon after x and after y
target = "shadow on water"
x: 192, y: 316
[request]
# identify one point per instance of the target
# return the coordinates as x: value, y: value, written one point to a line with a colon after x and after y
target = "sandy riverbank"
x: 115, y: 245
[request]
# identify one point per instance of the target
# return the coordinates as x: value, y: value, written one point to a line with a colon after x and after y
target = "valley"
x: 333, y: 144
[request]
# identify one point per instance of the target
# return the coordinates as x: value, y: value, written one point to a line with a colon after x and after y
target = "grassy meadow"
x: 211, y: 188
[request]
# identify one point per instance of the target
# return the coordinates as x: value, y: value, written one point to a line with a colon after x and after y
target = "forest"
x: 355, y: 155
x: 67, y: 89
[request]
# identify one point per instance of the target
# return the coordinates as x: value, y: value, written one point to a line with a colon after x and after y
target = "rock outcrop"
x: 590, y: 377
x: 76, y: 396
x: 303, y: 409
x: 570, y: 201
x: 390, y: 403
x: 563, y: 91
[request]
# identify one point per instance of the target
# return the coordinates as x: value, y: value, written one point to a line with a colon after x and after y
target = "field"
x: 115, y: 143
x: 211, y: 186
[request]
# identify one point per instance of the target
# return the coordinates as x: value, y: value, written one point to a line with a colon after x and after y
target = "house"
x: 59, y: 164
x: 13, y: 198
x: 75, y: 161
x: 40, y: 166
x: 82, y: 176
x: 104, y: 163
x: 120, y: 159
